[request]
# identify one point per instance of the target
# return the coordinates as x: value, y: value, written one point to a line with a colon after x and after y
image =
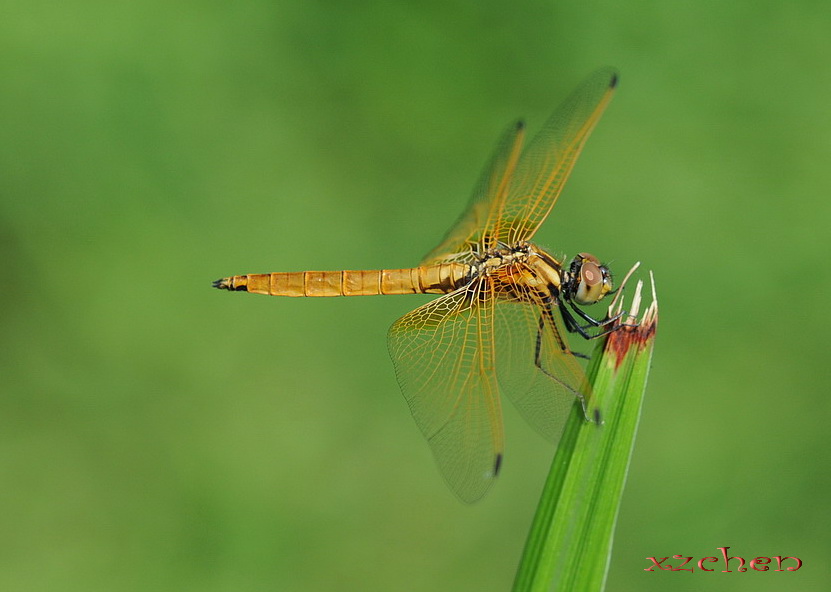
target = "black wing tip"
x: 519, y: 125
x: 613, y: 81
x: 497, y: 464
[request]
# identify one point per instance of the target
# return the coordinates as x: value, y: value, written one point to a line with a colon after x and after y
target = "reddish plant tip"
x: 633, y: 331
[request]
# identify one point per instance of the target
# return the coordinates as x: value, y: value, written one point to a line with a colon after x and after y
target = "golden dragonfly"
x: 498, y: 326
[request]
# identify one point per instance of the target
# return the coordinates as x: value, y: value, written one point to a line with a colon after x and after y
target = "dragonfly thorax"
x: 521, y: 272
x: 504, y: 255
x: 526, y: 272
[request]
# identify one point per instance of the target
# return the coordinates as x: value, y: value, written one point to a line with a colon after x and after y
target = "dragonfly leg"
x: 593, y: 322
x: 563, y: 347
x: 547, y: 316
x: 574, y: 327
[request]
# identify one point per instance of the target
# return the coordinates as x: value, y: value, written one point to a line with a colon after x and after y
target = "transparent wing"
x: 547, y: 161
x: 535, y: 366
x: 483, y: 206
x: 443, y: 355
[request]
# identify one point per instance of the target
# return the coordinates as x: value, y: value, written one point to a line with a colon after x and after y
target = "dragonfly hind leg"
x: 547, y: 315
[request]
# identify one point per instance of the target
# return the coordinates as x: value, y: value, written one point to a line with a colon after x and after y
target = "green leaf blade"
x: 570, y: 541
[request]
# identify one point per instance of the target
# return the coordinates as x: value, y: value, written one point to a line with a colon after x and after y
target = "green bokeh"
x: 159, y: 435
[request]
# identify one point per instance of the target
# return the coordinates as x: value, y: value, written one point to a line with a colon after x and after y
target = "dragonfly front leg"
x: 593, y: 322
x: 572, y: 326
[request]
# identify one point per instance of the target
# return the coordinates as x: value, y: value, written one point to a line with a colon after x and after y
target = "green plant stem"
x: 569, y: 544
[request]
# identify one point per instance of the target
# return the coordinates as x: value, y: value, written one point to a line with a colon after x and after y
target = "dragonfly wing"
x: 535, y: 367
x: 486, y: 200
x: 443, y: 356
x: 546, y: 163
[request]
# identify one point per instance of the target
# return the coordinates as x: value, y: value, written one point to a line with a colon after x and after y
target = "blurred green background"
x: 156, y: 434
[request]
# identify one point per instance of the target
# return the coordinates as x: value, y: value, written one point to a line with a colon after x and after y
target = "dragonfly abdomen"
x: 428, y: 279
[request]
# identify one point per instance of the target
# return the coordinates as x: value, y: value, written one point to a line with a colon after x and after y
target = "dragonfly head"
x: 591, y: 279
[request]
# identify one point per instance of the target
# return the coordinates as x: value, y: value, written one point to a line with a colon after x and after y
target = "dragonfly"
x: 500, y: 324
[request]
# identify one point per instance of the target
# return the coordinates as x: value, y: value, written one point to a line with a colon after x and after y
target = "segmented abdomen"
x: 430, y: 279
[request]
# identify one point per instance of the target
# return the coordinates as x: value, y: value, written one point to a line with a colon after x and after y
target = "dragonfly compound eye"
x: 595, y: 282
